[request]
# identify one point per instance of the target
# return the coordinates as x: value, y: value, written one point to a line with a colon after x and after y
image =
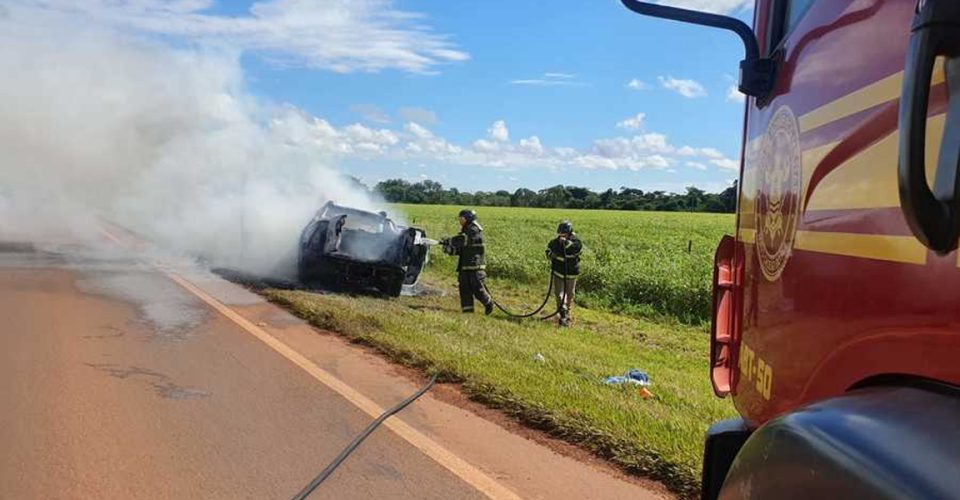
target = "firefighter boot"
x: 564, y: 317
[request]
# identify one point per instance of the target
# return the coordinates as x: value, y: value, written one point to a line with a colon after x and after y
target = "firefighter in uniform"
x: 468, y: 244
x: 564, y: 254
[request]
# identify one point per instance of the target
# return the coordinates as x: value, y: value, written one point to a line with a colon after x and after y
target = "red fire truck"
x: 837, y: 304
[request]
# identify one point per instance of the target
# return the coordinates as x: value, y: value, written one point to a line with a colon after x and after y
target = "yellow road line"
x: 905, y: 249
x: 468, y: 473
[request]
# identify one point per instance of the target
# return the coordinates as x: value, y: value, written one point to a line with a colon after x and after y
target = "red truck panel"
x: 836, y: 289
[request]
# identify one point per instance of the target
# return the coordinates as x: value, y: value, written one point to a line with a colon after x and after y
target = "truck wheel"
x: 877, y: 442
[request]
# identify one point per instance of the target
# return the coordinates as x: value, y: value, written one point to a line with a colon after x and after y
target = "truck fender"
x: 877, y: 442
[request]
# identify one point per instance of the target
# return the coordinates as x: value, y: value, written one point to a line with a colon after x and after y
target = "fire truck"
x: 836, y: 324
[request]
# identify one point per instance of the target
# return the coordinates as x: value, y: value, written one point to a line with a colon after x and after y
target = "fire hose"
x: 546, y: 297
x: 332, y: 466
x: 543, y: 304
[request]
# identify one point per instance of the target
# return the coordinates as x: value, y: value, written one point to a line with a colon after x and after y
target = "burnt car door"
x: 334, y: 231
x: 416, y: 255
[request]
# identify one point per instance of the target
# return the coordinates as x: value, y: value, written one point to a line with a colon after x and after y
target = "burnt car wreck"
x: 344, y: 248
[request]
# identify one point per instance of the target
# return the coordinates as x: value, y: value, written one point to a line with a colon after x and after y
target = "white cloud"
x: 498, y: 131
x: 359, y: 133
x: 657, y: 161
x: 334, y: 35
x: 715, y: 6
x: 416, y: 143
x: 635, y: 164
x: 632, y: 123
x: 544, y: 83
x: 733, y: 94
x: 550, y: 79
x: 637, y: 85
x: 420, y: 140
x: 418, y: 115
x: 710, y: 153
x: 687, y: 88
x: 485, y: 146
x: 594, y: 162
x: 531, y: 146
x: 633, y: 147
x: 726, y: 163
x: 418, y: 131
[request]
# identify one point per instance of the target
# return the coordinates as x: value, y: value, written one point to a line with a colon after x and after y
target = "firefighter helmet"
x: 565, y: 227
x: 468, y: 214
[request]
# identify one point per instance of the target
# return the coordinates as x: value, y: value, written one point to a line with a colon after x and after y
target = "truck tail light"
x: 725, y: 324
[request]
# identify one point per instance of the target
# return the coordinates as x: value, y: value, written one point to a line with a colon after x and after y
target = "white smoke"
x: 98, y: 124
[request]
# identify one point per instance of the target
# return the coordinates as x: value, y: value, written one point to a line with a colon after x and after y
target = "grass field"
x: 634, y: 262
x: 643, y: 263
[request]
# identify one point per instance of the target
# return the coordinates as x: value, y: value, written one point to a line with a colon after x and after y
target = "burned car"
x: 346, y: 248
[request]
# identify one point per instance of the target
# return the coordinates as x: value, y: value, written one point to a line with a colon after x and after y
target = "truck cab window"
x: 795, y: 11
x: 784, y: 16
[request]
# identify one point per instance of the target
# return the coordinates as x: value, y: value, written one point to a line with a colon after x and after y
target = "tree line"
x: 433, y: 193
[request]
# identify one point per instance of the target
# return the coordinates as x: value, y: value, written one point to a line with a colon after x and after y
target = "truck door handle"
x: 933, y: 216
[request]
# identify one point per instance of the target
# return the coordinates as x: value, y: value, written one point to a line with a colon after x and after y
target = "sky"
x: 491, y: 95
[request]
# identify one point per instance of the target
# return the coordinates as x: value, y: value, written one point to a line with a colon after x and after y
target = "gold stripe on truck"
x: 903, y: 249
x: 879, y: 92
x: 869, y: 179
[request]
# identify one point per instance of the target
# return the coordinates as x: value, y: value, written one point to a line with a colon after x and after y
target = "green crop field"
x: 643, y: 304
x: 650, y: 263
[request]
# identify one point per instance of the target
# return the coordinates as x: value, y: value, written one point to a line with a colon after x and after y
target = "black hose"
x: 332, y: 466
x: 543, y: 304
x: 546, y: 297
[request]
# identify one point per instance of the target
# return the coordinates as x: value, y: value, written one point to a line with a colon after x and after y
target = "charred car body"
x: 346, y: 248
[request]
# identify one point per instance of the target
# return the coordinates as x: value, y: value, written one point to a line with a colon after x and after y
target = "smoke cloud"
x: 100, y: 124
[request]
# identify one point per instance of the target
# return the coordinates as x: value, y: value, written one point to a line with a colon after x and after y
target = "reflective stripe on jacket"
x: 565, y: 256
x: 468, y: 244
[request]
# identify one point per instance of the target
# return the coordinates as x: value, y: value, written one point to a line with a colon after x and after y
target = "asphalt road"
x: 119, y: 379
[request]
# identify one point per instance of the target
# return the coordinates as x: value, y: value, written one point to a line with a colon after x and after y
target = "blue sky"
x: 490, y: 95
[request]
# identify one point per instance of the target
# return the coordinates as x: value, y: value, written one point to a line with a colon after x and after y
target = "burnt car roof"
x: 331, y: 209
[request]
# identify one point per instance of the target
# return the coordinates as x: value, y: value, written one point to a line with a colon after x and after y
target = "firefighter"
x: 468, y: 244
x: 564, y: 254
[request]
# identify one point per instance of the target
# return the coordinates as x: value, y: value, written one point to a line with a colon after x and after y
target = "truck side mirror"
x: 756, y: 73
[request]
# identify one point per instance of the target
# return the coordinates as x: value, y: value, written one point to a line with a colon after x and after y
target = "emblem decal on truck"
x: 780, y: 188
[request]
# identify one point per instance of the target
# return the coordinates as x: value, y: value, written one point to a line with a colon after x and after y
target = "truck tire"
x: 879, y: 442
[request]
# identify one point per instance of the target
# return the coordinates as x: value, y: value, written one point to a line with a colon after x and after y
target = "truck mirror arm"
x: 756, y: 73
